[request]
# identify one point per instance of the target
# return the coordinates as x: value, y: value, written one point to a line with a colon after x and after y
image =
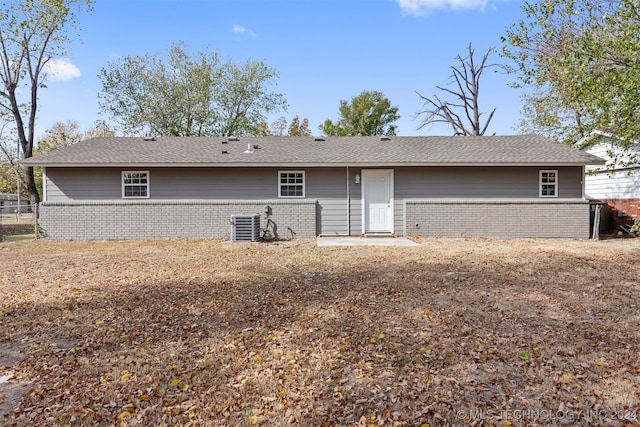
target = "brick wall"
x: 500, y: 219
x: 166, y: 219
x: 622, y: 211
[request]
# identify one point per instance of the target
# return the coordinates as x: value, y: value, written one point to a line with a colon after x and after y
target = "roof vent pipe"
x: 249, y: 149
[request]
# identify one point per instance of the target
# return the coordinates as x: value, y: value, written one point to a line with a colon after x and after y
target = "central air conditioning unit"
x: 245, y: 228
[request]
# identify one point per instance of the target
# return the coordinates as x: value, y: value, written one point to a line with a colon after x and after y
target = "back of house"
x: 138, y: 188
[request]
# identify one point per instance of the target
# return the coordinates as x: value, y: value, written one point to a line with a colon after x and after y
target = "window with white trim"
x: 290, y: 184
x: 135, y: 184
x: 548, y: 183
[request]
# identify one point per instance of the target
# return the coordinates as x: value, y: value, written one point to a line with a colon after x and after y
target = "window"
x: 548, y: 183
x: 291, y: 184
x: 135, y: 184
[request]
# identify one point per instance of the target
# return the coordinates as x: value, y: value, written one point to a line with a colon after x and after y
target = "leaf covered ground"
x: 211, y: 333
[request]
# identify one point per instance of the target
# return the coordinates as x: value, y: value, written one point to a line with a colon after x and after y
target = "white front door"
x: 377, y: 200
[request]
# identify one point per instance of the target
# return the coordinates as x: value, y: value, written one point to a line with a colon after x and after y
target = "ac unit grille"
x: 245, y: 228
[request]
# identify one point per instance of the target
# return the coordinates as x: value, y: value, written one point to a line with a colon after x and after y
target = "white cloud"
x: 61, y: 70
x: 239, y: 29
x: 421, y: 7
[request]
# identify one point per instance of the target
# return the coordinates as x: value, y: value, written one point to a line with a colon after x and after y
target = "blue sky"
x: 324, y: 50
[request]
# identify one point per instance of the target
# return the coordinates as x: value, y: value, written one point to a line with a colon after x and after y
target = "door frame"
x: 365, y: 216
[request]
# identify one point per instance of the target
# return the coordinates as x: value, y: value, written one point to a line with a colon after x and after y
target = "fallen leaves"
x: 210, y: 333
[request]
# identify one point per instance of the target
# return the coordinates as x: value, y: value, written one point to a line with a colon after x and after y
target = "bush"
x: 635, y: 228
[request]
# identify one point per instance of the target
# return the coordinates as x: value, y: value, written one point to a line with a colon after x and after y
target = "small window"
x: 549, y: 183
x: 135, y: 184
x: 290, y: 184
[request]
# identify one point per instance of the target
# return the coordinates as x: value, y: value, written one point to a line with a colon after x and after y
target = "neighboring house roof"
x: 521, y: 150
x: 6, y: 197
x: 603, y: 145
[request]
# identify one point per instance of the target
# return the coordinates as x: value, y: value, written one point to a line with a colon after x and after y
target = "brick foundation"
x: 500, y: 219
x: 622, y: 211
x: 167, y: 219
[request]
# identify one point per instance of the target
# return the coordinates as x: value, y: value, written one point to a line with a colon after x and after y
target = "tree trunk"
x: 34, y: 196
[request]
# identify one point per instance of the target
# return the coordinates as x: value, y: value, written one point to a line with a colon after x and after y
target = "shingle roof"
x: 5, y: 197
x: 308, y: 151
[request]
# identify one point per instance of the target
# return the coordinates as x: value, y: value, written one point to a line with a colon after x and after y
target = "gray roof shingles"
x: 307, y: 151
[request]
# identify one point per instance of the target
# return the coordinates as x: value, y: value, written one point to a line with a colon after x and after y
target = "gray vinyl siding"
x: 482, y: 182
x: 83, y: 184
x: 325, y: 189
x: 164, y: 184
x: 327, y: 185
x: 329, y: 188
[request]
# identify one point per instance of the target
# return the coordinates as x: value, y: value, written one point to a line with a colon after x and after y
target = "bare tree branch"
x: 466, y: 91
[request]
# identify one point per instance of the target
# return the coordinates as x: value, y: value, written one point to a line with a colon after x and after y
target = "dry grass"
x: 209, y: 333
x: 14, y: 228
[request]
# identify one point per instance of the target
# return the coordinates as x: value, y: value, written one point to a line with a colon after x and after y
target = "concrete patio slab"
x: 324, y: 242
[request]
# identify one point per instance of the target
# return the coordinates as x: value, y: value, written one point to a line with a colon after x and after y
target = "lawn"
x: 12, y: 229
x: 210, y: 333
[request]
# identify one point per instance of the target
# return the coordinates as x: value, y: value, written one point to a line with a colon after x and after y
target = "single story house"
x: 11, y: 203
x: 438, y: 186
x: 616, y: 183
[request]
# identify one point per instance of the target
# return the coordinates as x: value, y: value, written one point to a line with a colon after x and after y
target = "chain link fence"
x: 17, y: 222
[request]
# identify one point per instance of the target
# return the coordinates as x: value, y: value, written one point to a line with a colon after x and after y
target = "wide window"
x: 291, y: 184
x: 548, y: 183
x: 135, y: 184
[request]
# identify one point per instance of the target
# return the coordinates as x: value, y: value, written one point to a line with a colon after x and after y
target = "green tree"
x: 32, y: 33
x: 100, y: 130
x: 8, y: 181
x: 188, y: 95
x: 369, y: 113
x: 57, y: 136
x: 579, y: 61
x: 242, y: 101
x: 299, y: 129
x: 463, y: 114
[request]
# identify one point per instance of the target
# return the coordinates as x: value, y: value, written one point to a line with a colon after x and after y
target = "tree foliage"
x: 580, y: 63
x: 189, y: 95
x: 8, y: 179
x: 242, y: 101
x: 280, y: 127
x: 369, y: 113
x: 32, y: 33
x: 100, y: 130
x: 297, y: 128
x: 59, y: 135
x: 463, y: 114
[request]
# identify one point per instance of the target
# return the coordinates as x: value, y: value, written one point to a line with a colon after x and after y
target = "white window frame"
x: 554, y: 184
x: 281, y: 184
x: 124, y: 185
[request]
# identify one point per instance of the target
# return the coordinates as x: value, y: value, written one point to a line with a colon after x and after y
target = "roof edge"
x: 313, y: 165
